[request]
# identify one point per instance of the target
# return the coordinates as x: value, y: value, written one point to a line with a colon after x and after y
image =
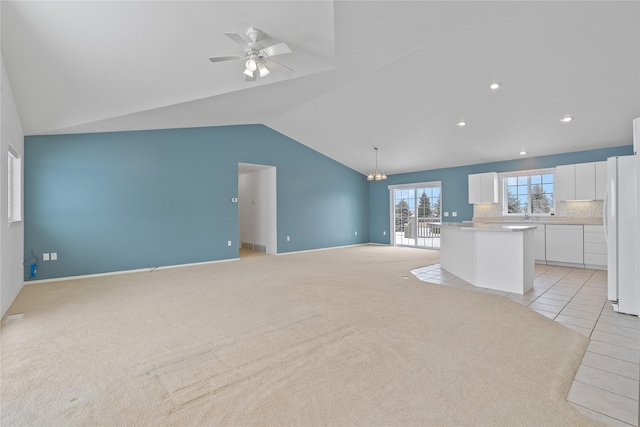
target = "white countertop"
x: 477, y: 226
x: 545, y: 221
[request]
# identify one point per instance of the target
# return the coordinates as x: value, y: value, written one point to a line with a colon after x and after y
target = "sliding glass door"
x: 415, y: 207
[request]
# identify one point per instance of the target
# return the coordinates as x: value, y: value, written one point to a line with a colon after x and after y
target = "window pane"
x: 512, y: 180
x: 522, y: 180
x: 536, y: 179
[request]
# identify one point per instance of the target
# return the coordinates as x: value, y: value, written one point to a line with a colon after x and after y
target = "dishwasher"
x: 565, y: 243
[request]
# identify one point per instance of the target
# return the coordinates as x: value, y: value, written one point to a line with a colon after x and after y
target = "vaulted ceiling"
x: 388, y: 74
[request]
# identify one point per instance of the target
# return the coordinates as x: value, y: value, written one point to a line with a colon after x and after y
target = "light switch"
x: 45, y: 257
x: 229, y: 243
x: 384, y: 233
x: 454, y: 213
x: 288, y: 239
x: 356, y: 233
x: 446, y: 214
x: 54, y: 256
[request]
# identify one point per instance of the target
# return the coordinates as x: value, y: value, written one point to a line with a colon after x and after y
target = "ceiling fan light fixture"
x: 264, y: 71
x: 252, y: 63
x: 248, y: 72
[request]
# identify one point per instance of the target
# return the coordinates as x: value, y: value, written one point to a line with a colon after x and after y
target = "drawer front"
x: 595, y: 248
x: 594, y: 238
x: 595, y: 259
x: 594, y: 228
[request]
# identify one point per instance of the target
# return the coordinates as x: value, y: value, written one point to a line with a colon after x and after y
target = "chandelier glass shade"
x: 376, y: 176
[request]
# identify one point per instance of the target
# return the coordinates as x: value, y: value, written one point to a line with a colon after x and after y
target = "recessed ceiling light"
x: 522, y: 153
x: 462, y: 123
x: 495, y: 85
x: 566, y: 119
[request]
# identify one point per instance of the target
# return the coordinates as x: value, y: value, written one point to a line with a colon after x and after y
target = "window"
x: 414, y: 208
x: 528, y: 192
x: 14, y: 179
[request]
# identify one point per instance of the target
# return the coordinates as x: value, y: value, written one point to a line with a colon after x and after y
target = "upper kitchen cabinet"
x: 483, y: 188
x: 584, y: 181
x: 601, y: 179
x: 566, y: 182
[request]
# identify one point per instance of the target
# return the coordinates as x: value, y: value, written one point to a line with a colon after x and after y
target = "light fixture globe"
x: 252, y: 63
x: 264, y: 71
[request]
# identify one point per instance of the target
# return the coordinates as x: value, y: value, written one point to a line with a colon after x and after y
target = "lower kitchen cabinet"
x: 595, y: 247
x: 564, y: 243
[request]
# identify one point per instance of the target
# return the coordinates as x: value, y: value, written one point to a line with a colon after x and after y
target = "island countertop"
x: 478, y: 226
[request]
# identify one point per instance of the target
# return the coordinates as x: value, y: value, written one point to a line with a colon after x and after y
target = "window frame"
x: 14, y: 186
x: 504, y: 200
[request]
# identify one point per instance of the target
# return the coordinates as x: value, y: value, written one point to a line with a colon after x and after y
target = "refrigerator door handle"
x: 605, y: 215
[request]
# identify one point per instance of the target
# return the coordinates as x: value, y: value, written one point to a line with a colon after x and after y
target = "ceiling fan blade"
x: 238, y: 40
x: 277, y: 49
x: 288, y: 72
x: 225, y: 58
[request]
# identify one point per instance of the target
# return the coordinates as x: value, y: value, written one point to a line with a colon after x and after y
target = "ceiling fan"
x: 258, y: 58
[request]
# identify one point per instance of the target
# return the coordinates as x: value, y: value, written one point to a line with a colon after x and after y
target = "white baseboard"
x: 113, y: 273
x: 325, y: 249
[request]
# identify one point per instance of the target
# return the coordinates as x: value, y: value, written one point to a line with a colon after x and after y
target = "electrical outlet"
x: 228, y: 242
x: 45, y: 257
x: 356, y: 233
x: 384, y: 233
x: 288, y: 239
x: 54, y: 256
x: 446, y: 214
x: 454, y: 213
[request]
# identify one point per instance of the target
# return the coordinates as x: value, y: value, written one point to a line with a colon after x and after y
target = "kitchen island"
x: 492, y: 256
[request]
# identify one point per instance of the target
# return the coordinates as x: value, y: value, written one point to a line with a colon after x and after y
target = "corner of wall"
x: 11, y: 237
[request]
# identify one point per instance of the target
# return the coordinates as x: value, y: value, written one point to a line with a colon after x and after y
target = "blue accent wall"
x: 127, y: 200
x: 455, y: 184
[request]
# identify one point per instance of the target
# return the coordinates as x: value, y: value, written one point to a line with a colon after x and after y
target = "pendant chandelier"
x: 376, y: 176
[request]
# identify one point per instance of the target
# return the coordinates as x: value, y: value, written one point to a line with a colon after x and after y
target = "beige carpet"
x: 337, y: 337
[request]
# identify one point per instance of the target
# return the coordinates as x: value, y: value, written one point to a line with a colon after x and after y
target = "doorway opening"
x: 257, y: 210
x: 414, y: 210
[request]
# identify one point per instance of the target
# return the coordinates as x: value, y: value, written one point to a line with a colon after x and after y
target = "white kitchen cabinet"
x: 601, y: 179
x: 585, y: 181
x: 564, y: 243
x: 595, y: 247
x: 565, y: 182
x: 483, y: 187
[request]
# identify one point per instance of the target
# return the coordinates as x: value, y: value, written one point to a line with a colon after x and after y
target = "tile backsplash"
x: 590, y: 209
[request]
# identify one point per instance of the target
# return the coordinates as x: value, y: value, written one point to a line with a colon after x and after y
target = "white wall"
x: 257, y: 208
x: 11, y: 236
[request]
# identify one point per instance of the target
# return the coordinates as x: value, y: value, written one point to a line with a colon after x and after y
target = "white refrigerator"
x: 621, y: 223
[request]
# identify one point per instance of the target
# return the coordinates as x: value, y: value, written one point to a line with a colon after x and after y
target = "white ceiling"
x: 388, y: 74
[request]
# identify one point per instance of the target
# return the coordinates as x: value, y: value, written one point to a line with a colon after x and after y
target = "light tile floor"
x: 606, y: 384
